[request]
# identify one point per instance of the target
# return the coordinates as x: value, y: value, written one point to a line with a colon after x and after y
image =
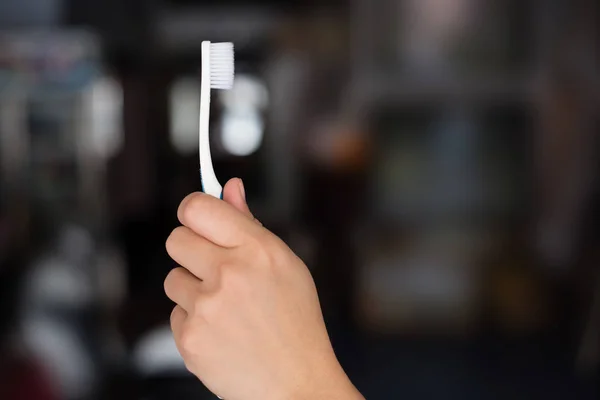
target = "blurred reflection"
x: 241, y: 132
x: 184, y: 106
x: 106, y: 117
x: 57, y: 299
x: 242, y: 127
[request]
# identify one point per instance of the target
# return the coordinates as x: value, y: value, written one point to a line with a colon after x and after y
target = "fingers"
x: 234, y: 194
x: 215, y: 220
x: 183, y: 288
x: 199, y: 256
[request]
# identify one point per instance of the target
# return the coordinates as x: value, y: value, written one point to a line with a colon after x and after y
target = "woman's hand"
x: 248, y: 321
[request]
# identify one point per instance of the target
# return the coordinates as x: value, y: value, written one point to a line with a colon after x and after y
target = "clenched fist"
x: 248, y: 321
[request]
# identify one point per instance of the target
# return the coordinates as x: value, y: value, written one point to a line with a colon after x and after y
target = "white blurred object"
x: 59, y: 291
x: 184, y: 105
x: 63, y: 354
x: 248, y: 93
x: 157, y: 353
x: 105, y: 98
x: 60, y: 278
x: 242, y: 132
x: 242, y: 126
x: 56, y: 283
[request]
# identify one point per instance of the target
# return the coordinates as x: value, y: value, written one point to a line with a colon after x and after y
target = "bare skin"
x: 248, y: 322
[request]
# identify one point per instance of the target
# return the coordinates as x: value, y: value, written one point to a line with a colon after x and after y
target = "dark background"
x: 433, y: 162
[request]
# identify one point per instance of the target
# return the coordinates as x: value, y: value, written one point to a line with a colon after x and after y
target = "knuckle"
x: 188, y: 340
x: 172, y: 240
x: 168, y: 283
x: 224, y: 266
x: 212, y: 309
x: 198, y: 306
x: 258, y: 250
x: 173, y: 316
x: 268, y: 253
x: 236, y: 280
x: 226, y: 263
x: 172, y: 281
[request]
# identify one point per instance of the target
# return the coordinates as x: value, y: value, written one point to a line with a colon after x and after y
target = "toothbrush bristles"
x: 221, y: 65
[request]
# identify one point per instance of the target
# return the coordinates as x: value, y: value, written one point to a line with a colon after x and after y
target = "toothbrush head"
x: 221, y: 65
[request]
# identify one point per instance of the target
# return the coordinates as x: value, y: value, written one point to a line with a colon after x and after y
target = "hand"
x: 248, y: 321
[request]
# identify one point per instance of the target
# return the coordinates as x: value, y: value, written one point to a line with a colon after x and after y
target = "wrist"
x: 341, y: 390
x: 331, y: 385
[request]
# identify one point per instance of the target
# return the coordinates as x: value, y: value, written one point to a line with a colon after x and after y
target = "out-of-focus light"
x: 63, y: 354
x: 247, y: 93
x: 242, y: 125
x: 184, y: 104
x: 242, y: 133
x: 157, y: 353
x: 106, y: 103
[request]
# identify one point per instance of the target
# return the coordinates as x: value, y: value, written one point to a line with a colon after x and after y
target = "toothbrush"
x: 217, y: 73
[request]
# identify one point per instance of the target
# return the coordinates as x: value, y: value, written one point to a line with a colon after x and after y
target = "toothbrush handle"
x: 219, y: 196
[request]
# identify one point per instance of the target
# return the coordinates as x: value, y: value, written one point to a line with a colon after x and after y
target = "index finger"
x: 215, y: 220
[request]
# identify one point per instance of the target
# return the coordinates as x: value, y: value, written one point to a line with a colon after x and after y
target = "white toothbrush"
x: 217, y: 73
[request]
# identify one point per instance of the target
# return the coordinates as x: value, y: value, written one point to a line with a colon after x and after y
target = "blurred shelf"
x: 184, y: 29
x: 53, y: 158
x: 404, y: 90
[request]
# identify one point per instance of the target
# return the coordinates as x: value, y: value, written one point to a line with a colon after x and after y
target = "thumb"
x: 234, y: 194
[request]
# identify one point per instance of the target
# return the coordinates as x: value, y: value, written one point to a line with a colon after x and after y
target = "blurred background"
x: 434, y: 162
